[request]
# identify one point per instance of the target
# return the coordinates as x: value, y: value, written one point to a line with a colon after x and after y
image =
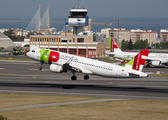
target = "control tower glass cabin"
x: 78, y: 19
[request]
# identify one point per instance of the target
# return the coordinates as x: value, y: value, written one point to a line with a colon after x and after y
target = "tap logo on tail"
x: 138, y: 61
x: 112, y: 44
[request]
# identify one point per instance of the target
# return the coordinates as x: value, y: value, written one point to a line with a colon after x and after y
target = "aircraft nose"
x: 28, y: 54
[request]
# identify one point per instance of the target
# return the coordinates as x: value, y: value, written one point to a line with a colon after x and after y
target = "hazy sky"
x: 96, y: 8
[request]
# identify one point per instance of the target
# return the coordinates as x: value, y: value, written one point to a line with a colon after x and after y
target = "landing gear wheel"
x: 147, y: 65
x: 86, y: 77
x: 40, y: 68
x: 73, y: 77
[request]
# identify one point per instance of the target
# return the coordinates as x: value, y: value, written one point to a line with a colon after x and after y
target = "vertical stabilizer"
x: 138, y: 61
x: 122, y: 62
x: 113, y: 46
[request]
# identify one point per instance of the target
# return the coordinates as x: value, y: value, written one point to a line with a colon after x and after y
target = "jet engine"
x: 156, y: 63
x: 56, y: 68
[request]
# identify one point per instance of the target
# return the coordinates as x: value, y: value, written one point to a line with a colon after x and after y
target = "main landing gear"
x: 40, y: 68
x: 86, y: 77
x: 73, y: 77
x: 148, y: 65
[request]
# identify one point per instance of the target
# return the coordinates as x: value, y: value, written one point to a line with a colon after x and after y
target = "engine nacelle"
x: 56, y: 68
x: 156, y: 63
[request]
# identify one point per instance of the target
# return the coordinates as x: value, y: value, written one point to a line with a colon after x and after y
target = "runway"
x: 24, y: 77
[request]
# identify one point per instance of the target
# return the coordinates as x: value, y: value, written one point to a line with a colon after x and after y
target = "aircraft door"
x: 119, y: 70
x: 38, y: 55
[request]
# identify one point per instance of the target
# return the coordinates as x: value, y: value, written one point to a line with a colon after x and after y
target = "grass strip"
x: 158, y: 75
x: 114, y: 110
x: 11, y: 99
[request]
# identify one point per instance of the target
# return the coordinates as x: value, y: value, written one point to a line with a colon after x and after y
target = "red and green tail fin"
x: 138, y: 61
x: 122, y: 62
x: 113, y: 46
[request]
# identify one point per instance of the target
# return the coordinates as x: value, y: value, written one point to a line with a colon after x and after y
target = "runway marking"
x: 2, y: 68
x: 41, y: 70
x: 87, y: 94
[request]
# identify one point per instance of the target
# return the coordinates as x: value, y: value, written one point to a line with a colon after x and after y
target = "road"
x: 24, y: 77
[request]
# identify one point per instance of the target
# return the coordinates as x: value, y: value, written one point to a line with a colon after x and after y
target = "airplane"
x: 63, y: 62
x: 155, y: 59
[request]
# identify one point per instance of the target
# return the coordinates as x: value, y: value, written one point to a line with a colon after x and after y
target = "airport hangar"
x: 72, y: 44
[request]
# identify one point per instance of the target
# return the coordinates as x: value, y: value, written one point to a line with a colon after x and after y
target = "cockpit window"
x: 33, y: 51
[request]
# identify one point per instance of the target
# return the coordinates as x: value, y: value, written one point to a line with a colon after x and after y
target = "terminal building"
x: 77, y: 45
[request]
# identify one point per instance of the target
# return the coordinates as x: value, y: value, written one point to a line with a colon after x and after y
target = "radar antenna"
x: 83, y: 5
x: 73, y: 4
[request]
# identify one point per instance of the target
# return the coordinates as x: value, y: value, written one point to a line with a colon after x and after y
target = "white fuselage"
x: 91, y: 66
x: 151, y: 57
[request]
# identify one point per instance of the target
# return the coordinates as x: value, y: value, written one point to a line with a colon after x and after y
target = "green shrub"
x: 3, y: 118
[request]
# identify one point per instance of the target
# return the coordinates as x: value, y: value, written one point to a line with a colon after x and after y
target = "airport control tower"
x: 77, y: 19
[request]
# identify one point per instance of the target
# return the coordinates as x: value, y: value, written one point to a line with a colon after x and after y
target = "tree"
x: 147, y: 45
x: 130, y: 45
x: 123, y: 45
x: 12, y: 36
x: 140, y: 44
x: 1, y: 48
x: 157, y: 45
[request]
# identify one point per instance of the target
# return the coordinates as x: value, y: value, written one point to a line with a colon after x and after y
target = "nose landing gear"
x: 40, y: 68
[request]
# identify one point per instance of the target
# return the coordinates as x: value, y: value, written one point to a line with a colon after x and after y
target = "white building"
x: 164, y: 35
x: 106, y: 32
x: 22, y: 43
x: 119, y: 34
x: 138, y: 34
x: 3, y: 30
x: 99, y: 37
x: 6, y: 42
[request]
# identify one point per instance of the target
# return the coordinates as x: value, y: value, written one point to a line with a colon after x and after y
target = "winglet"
x: 138, y: 61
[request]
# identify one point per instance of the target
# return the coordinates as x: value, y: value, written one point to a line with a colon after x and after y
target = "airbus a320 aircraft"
x: 62, y: 62
x: 155, y: 59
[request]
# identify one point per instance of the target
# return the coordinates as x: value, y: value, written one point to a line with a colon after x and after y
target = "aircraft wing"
x: 75, y: 68
x: 153, y: 59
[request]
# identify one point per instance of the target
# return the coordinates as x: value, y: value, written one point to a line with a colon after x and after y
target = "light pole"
x: 155, y: 39
x: 118, y: 31
x: 65, y: 26
x: 95, y: 33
